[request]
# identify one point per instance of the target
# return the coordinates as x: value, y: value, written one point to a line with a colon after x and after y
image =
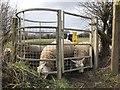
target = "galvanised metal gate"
x: 44, y: 29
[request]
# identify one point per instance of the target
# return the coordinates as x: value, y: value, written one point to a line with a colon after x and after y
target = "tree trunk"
x: 105, y: 43
x: 104, y: 48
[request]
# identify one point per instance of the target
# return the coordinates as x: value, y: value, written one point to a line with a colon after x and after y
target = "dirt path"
x: 94, y: 79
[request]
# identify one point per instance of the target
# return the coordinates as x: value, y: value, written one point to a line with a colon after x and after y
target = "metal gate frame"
x: 60, y: 37
x: 93, y: 34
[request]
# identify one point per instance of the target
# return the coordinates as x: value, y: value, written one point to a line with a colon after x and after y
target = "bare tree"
x: 103, y: 11
x: 6, y: 15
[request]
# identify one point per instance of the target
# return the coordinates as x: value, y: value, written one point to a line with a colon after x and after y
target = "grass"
x: 45, y: 41
x: 51, y: 40
x: 83, y: 39
x: 41, y: 41
x: 62, y: 84
x: 8, y: 45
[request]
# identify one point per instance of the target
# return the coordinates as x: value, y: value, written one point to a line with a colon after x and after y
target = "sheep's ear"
x: 78, y: 61
x: 82, y: 60
x: 74, y: 61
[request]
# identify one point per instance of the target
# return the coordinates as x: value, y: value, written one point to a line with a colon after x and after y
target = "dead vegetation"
x: 19, y: 75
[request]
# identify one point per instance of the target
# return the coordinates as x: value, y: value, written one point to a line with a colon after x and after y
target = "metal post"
x: 94, y: 28
x: 96, y: 43
x: 19, y: 31
x: 40, y: 35
x: 90, y: 50
x: 24, y: 34
x: 59, y: 53
x: 62, y: 41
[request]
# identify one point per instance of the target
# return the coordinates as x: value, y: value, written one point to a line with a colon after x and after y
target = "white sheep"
x: 7, y: 54
x: 49, y: 52
x: 29, y: 50
x: 81, y: 50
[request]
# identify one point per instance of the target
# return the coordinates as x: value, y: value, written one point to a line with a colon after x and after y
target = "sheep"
x: 30, y: 51
x: 49, y: 52
x: 81, y: 50
x: 7, y: 54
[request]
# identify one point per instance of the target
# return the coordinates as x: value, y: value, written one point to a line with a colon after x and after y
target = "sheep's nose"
x: 9, y: 51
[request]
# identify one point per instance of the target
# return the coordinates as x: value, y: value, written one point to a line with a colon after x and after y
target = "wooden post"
x: 1, y: 47
x: 58, y: 32
x: 115, y: 55
x: 14, y: 39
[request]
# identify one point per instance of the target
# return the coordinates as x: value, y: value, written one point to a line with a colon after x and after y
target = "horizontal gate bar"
x: 76, y: 69
x: 77, y: 57
x: 30, y: 59
x: 36, y: 27
x: 37, y: 32
x: 77, y: 15
x: 77, y: 30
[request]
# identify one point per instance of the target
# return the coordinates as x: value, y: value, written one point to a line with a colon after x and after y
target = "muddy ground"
x: 99, y: 78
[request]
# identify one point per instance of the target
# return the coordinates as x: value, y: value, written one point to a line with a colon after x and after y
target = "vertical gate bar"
x: 90, y: 50
x: 96, y: 44
x: 40, y: 35
x: 59, y: 73
x: 24, y: 34
x: 19, y: 31
x: 62, y: 40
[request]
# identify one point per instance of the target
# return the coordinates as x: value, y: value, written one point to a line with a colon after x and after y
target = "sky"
x: 25, y: 4
x: 66, y: 5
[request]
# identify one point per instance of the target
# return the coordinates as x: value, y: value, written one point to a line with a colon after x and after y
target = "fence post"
x: 14, y: 39
x: 59, y: 53
x: 115, y: 55
x: 1, y: 49
x: 95, y: 37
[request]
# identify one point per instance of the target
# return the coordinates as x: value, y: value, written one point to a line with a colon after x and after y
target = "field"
x: 50, y: 40
x: 45, y: 41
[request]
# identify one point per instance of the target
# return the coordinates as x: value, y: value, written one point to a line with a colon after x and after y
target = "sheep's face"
x: 43, y: 69
x: 7, y: 50
x: 79, y: 63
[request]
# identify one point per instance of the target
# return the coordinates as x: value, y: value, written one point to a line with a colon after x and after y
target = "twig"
x: 26, y: 70
x: 16, y: 75
x: 16, y: 85
x: 82, y: 86
x: 107, y: 62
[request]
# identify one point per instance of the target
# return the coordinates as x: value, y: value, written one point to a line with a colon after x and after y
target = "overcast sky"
x: 25, y: 4
x: 66, y: 5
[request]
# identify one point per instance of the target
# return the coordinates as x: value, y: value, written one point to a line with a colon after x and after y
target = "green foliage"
x: 62, y: 84
x: 8, y: 45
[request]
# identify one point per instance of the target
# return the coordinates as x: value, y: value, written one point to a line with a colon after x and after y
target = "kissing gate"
x: 45, y: 29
